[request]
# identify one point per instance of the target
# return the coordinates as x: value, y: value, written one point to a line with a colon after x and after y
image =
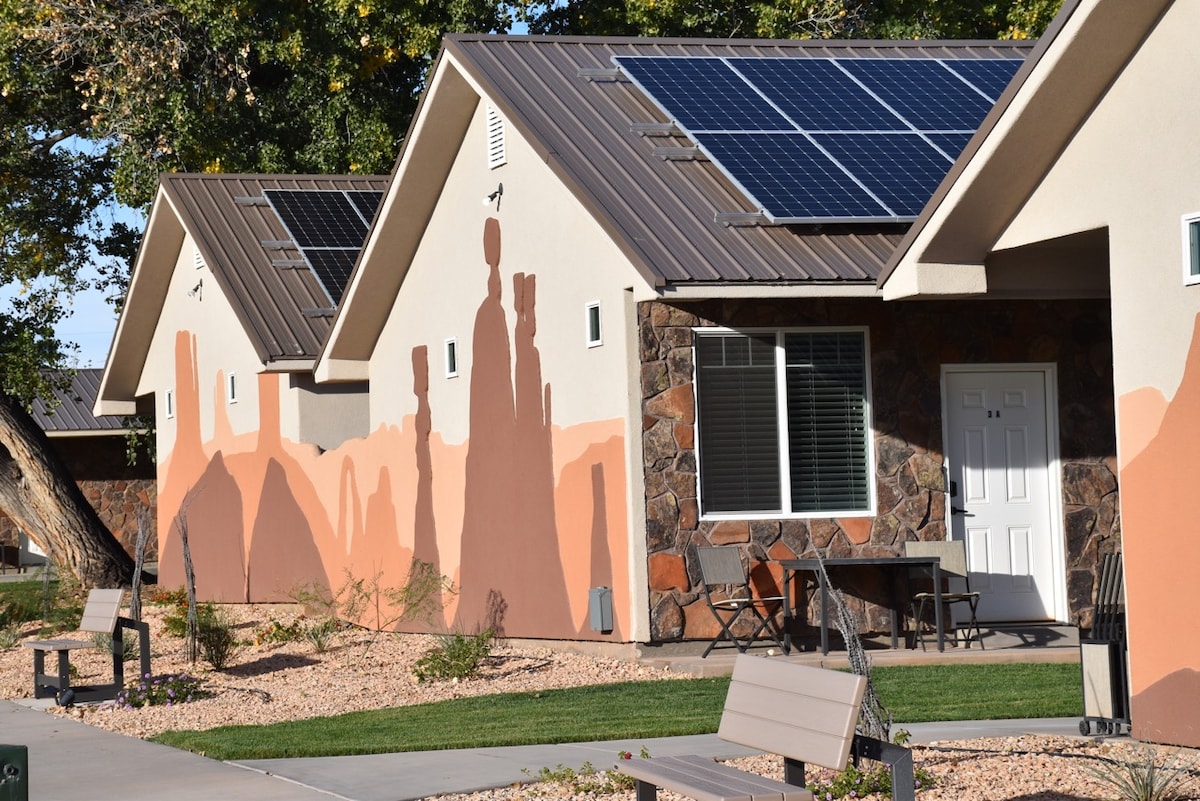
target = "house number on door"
x: 993, y: 413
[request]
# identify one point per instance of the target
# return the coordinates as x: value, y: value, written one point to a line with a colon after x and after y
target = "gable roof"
x: 1082, y: 53
x: 69, y: 413
x: 285, y: 312
x: 562, y: 96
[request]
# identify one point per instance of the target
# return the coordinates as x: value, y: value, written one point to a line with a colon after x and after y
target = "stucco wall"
x: 1134, y: 168
x: 908, y: 344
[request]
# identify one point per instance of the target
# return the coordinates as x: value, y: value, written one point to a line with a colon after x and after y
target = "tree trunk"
x: 38, y: 493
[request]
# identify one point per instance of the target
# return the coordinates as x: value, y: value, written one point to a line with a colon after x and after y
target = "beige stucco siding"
x: 544, y: 233
x: 1122, y: 171
x: 204, y: 318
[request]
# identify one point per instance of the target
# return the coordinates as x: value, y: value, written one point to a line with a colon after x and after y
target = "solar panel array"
x: 827, y: 139
x: 328, y: 226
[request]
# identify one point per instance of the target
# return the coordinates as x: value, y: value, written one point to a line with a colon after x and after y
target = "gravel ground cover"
x: 268, y: 682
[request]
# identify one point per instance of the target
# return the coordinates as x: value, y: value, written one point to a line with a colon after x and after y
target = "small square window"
x: 451, y: 358
x: 231, y: 388
x: 1191, y: 249
x: 594, y: 337
x: 169, y: 403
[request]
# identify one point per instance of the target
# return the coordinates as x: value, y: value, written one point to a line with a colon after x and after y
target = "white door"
x: 1000, y: 502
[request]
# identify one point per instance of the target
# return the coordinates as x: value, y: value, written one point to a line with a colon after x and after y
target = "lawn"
x: 631, y: 710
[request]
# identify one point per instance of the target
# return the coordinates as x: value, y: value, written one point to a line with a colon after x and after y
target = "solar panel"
x: 922, y: 91
x: 703, y: 94
x: 789, y: 174
x: 826, y: 139
x: 329, y: 227
x: 817, y: 95
x: 992, y: 75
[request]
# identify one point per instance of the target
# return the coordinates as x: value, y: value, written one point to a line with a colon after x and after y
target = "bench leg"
x: 39, y: 668
x: 646, y: 791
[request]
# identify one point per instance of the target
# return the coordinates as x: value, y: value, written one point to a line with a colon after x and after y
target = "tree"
x: 97, y: 97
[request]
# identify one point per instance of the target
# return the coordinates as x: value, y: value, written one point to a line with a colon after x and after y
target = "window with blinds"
x: 782, y: 422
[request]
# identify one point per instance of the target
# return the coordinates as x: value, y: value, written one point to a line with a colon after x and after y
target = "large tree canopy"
x: 97, y: 97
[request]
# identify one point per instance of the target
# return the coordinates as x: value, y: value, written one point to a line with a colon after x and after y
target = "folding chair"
x: 952, y: 561
x: 729, y: 595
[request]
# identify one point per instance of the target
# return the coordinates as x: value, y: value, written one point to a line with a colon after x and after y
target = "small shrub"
x: 165, y: 597
x: 275, y: 633
x: 216, y: 636
x: 856, y: 782
x: 587, y: 780
x: 1145, y: 779
x: 128, y: 644
x: 457, y: 656
x: 10, y: 635
x: 161, y: 691
x: 320, y: 635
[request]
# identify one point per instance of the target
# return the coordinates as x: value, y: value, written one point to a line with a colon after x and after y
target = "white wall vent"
x: 496, y: 154
x: 197, y: 259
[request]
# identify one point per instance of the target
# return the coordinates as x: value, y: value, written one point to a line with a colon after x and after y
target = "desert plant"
x: 857, y: 781
x: 106, y: 643
x: 216, y: 636
x: 161, y: 691
x: 275, y: 633
x: 320, y: 635
x: 456, y: 656
x: 10, y: 635
x: 1147, y: 778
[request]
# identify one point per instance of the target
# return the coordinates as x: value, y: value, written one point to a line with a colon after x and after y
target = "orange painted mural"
x: 1160, y: 440
x: 524, y: 517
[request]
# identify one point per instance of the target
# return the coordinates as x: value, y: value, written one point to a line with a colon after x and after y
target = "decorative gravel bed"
x: 266, y: 683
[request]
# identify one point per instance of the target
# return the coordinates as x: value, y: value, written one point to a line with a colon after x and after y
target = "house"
x: 230, y: 298
x: 593, y: 342
x: 1091, y: 167
x: 94, y: 451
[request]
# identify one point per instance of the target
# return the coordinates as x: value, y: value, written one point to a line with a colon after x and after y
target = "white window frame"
x: 785, y: 499
x: 169, y: 403
x: 593, y: 336
x: 1191, y: 252
x: 450, y: 356
x: 231, y: 394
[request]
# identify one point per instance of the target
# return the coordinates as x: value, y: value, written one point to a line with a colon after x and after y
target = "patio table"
x: 900, y: 565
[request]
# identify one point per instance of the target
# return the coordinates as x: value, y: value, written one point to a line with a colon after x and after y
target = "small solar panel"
x: 901, y: 169
x: 827, y: 139
x: 788, y: 174
x: 329, y: 226
x: 922, y: 91
x: 703, y: 94
x: 333, y: 266
x: 818, y: 95
x: 992, y: 75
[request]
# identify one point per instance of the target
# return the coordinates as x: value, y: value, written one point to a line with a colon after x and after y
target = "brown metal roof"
x: 286, y: 312
x: 663, y: 213
x: 70, y: 411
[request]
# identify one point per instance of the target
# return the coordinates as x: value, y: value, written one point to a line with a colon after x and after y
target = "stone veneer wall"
x: 115, y: 489
x: 909, y: 341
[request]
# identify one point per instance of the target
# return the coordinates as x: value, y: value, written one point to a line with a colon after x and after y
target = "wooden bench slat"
x: 706, y: 780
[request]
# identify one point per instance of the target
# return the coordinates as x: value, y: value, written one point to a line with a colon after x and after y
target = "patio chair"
x: 952, y: 561
x: 729, y: 595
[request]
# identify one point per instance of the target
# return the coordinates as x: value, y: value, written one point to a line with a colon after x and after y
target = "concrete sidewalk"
x: 71, y: 761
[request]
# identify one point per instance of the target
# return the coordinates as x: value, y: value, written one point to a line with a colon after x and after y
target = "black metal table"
x: 896, y: 563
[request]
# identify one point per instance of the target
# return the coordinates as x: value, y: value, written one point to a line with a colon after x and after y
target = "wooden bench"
x: 101, y: 615
x: 804, y: 714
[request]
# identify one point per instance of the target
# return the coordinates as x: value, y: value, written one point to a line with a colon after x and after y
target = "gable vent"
x: 496, y: 154
x: 197, y: 259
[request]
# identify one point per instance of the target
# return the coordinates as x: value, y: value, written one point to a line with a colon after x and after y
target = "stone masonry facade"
x: 908, y: 344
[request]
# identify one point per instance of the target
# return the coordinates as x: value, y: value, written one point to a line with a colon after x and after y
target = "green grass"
x: 631, y: 710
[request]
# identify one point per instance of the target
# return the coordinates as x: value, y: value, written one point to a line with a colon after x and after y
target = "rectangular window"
x: 783, y: 423
x: 169, y: 403
x: 593, y: 325
x: 1191, y: 249
x: 231, y: 395
x: 451, y: 358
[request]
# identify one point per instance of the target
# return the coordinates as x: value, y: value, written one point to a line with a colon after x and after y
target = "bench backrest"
x: 101, y: 611
x: 802, y: 712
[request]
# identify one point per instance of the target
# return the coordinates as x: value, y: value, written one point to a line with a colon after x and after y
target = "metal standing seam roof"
x: 663, y: 213
x: 73, y: 412
x: 285, y: 311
